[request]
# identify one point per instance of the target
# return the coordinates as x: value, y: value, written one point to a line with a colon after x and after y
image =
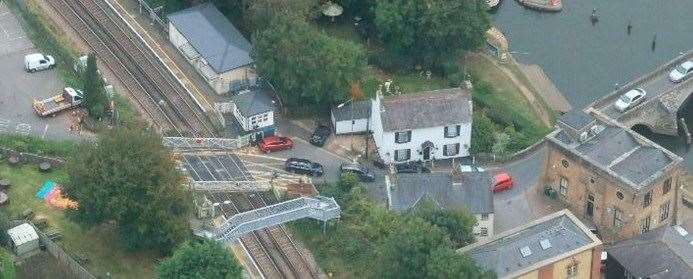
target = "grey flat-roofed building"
x: 208, y: 40
x: 576, y: 119
x: 665, y: 252
x: 531, y: 247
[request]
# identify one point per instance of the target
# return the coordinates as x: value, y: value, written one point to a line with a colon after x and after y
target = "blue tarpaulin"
x: 45, y: 189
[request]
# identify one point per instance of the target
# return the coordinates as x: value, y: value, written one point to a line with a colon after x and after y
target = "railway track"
x: 163, y: 100
x: 168, y: 105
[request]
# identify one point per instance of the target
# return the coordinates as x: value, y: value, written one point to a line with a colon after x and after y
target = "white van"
x: 37, y: 62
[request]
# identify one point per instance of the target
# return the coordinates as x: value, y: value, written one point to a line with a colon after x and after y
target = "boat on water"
x: 492, y: 4
x: 543, y: 5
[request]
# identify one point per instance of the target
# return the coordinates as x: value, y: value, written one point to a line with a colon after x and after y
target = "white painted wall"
x: 387, y: 145
x: 263, y: 119
x: 345, y: 127
x: 488, y: 224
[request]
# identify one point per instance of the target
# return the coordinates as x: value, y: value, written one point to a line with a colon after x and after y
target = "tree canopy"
x: 456, y: 222
x: 95, y: 99
x: 200, y: 260
x: 445, y: 263
x: 260, y: 13
x: 431, y: 31
x: 129, y: 178
x: 306, y: 65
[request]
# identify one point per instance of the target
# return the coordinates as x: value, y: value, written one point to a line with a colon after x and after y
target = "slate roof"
x: 252, y: 102
x: 426, y: 109
x: 665, y: 252
x: 616, y: 150
x: 470, y: 190
x: 566, y: 236
x: 213, y: 36
x: 362, y: 110
x: 576, y: 119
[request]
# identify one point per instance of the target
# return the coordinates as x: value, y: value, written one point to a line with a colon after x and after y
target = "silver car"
x: 681, y: 72
x: 630, y: 99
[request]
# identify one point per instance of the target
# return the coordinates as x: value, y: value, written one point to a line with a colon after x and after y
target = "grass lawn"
x: 98, y: 244
x: 408, y: 82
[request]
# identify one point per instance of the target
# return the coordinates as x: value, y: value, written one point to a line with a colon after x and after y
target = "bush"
x: 21, y: 143
x: 7, y: 268
x: 390, y: 62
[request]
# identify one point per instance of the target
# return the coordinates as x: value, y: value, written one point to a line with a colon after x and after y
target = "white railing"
x: 182, y: 143
x: 230, y: 186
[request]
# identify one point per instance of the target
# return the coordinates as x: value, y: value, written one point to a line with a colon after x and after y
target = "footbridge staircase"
x: 318, y: 207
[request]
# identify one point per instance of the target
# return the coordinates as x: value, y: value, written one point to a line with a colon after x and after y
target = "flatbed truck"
x: 69, y: 98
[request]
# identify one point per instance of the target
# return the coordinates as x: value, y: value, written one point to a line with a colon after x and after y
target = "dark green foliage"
x: 129, y: 178
x: 36, y: 145
x: 308, y: 67
x: 95, y: 99
x: 200, y: 260
x: 7, y: 268
x: 405, y: 252
x: 4, y: 226
x: 445, y: 263
x: 483, y: 131
x: 260, y: 13
x: 430, y: 32
x: 369, y: 241
x: 456, y: 222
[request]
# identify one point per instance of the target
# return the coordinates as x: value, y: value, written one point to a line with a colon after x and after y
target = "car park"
x: 681, y: 72
x: 501, y: 182
x: 303, y: 166
x: 275, y: 143
x: 362, y: 173
x: 630, y: 99
x: 320, y: 135
x: 38, y: 62
x: 412, y: 167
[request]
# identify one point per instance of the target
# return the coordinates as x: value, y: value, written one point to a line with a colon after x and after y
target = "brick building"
x: 607, y: 174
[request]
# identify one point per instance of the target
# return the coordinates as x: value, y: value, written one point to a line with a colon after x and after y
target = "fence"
x: 31, y: 158
x: 64, y: 259
x: 153, y: 13
x: 180, y: 143
x: 486, y: 158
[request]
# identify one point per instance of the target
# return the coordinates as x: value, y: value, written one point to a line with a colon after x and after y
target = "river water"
x: 587, y: 60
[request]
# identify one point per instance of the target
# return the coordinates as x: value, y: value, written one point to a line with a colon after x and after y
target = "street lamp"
x: 352, y: 119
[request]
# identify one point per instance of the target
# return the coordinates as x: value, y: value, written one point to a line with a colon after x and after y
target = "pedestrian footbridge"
x: 318, y: 207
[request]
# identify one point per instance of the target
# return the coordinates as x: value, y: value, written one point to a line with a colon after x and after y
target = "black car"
x: 363, y: 173
x: 303, y: 166
x: 412, y: 167
x: 320, y: 135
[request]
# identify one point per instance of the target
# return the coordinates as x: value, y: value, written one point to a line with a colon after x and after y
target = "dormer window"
x: 452, y: 131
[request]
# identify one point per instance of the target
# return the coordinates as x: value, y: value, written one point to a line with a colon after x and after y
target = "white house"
x: 351, y: 119
x: 249, y: 111
x: 216, y: 49
x: 469, y: 190
x: 422, y: 126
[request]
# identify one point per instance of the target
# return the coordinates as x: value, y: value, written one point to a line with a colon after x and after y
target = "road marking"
x: 45, y: 130
x: 23, y: 128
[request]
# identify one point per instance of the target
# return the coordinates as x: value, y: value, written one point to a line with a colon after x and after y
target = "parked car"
x: 364, y: 174
x: 501, y: 182
x: 275, y: 143
x: 303, y: 166
x: 681, y: 72
x: 630, y: 99
x: 37, y: 62
x: 412, y: 167
x: 320, y: 135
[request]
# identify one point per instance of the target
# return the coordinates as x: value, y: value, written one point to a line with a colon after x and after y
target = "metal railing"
x: 230, y: 186
x: 320, y: 208
x: 183, y: 143
x: 153, y: 13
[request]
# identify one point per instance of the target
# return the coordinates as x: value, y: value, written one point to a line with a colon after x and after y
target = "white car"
x: 37, y: 62
x: 630, y: 99
x: 681, y: 72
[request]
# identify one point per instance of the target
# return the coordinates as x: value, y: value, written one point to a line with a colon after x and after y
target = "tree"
x: 483, y: 133
x: 129, y: 178
x: 200, y: 259
x: 444, y: 263
x: 404, y: 252
x: 307, y: 66
x: 95, y: 99
x: 430, y: 31
x: 456, y: 222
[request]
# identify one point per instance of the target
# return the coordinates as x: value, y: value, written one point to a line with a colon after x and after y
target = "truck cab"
x: 72, y: 95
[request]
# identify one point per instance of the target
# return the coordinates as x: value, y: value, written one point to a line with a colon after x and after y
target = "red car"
x: 501, y: 182
x: 275, y: 143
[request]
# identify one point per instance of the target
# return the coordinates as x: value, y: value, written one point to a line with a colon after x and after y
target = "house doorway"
x: 589, y: 208
x: 426, y: 149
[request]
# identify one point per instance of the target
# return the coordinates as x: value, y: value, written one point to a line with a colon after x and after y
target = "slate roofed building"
x: 468, y: 190
x: 612, y: 176
x: 251, y: 112
x: 422, y: 126
x: 352, y: 118
x: 217, y: 50
x: 665, y: 252
x: 555, y: 246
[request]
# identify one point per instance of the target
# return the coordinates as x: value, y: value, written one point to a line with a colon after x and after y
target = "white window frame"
x: 563, y: 186
x: 454, y: 146
x: 399, y: 157
x: 403, y: 137
x: 452, y: 131
x: 664, y: 211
